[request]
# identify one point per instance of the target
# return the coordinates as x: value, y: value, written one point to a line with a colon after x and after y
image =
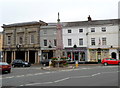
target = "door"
x: 82, y: 56
x: 113, y: 54
x: 76, y: 56
x: 45, y: 56
x: 113, y: 61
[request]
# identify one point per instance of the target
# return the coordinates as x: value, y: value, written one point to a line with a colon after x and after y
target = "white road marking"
x: 20, y: 75
x: 96, y: 74
x: 36, y: 84
x: 60, y: 80
x: 56, y: 72
x: 10, y: 77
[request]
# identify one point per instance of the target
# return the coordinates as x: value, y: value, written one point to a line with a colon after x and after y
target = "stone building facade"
x: 22, y: 41
x: 48, y: 41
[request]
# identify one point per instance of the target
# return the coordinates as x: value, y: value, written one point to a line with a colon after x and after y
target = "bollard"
x: 76, y: 64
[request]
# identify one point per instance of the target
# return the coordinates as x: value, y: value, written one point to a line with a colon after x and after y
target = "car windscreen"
x: 3, y: 63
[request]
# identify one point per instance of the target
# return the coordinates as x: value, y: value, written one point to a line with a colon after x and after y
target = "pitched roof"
x: 24, y: 24
x: 91, y: 23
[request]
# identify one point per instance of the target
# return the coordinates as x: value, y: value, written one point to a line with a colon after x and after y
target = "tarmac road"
x: 81, y: 76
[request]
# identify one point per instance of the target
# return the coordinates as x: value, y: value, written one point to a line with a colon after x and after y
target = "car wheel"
x: 105, y: 64
x: 23, y: 65
x: 118, y: 63
x: 9, y: 71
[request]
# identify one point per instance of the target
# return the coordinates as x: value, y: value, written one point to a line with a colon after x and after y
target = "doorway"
x: 113, y: 55
x: 82, y: 56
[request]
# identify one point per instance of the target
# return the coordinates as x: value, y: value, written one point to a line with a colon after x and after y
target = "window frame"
x: 80, y: 30
x: 93, y: 41
x: 103, y: 29
x: 69, y: 31
x: 32, y: 39
x: 104, y: 41
x: 55, y: 42
x: 8, y: 40
x: 20, y: 41
x: 92, y: 29
x: 45, y: 42
x: 80, y: 41
x: 69, y: 42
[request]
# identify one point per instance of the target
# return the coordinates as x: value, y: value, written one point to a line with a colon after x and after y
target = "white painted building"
x: 91, y: 40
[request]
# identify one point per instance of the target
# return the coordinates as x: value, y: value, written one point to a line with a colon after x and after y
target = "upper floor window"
x: 20, y: 40
x: 32, y: 39
x: 8, y: 40
x: 104, y: 41
x: 55, y: 32
x: 69, y: 42
x: 92, y: 29
x: 80, y: 30
x: 103, y: 29
x: 81, y: 41
x: 92, y: 41
x: 44, y: 31
x: 55, y: 42
x: 69, y: 31
x: 45, y: 42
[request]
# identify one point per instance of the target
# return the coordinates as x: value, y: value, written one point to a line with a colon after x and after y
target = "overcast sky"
x: 17, y: 11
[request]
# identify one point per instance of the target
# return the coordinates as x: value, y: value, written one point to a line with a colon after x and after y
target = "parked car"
x: 20, y: 63
x: 45, y: 62
x: 5, y: 67
x: 107, y: 61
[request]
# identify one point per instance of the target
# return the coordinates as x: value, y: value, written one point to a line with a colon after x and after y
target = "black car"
x: 20, y: 63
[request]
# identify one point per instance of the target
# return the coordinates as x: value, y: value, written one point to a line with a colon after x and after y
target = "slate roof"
x: 24, y: 24
x: 91, y: 23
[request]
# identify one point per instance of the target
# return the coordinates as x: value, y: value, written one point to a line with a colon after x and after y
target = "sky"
x: 18, y: 11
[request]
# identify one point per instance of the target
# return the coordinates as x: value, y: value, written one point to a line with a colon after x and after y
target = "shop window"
x: 69, y: 55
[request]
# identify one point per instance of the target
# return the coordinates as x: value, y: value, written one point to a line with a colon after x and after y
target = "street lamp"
x: 18, y: 46
x: 75, y: 46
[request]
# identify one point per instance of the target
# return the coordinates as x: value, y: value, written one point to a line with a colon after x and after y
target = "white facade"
x: 103, y: 32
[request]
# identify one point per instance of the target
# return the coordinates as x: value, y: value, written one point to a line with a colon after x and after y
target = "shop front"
x: 96, y: 55
x: 76, y: 54
x: 47, y: 54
